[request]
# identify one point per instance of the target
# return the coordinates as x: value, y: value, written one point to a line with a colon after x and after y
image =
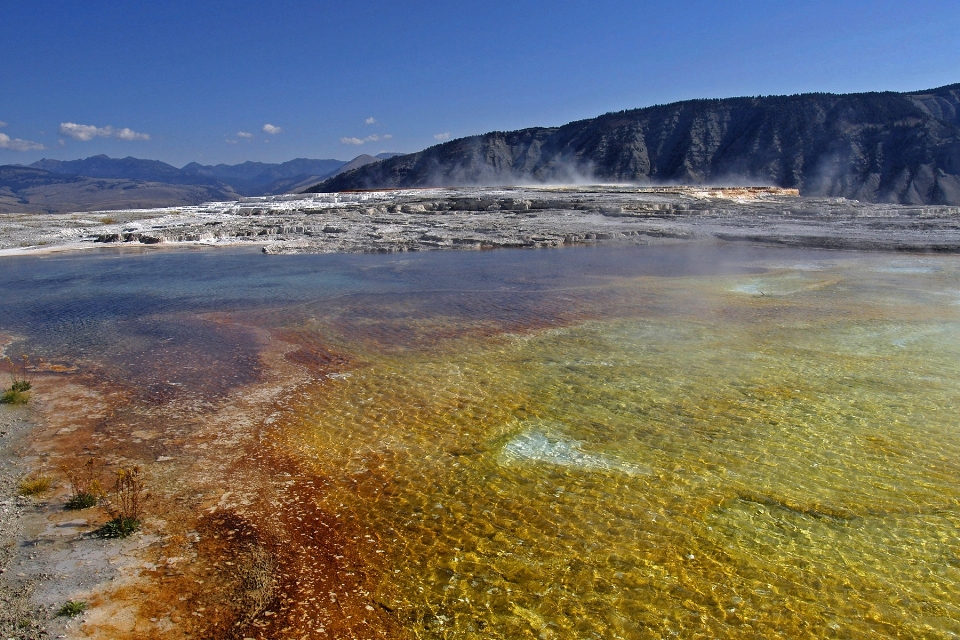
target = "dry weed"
x: 127, y: 506
x: 255, y: 573
x: 85, y: 486
x: 35, y: 484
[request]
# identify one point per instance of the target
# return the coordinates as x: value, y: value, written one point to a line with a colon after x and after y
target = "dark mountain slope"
x: 300, y: 181
x: 15, y: 178
x: 883, y: 147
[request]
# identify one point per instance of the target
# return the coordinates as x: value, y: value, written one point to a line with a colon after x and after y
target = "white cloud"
x: 130, y: 134
x: 272, y: 130
x: 244, y: 134
x: 442, y: 136
x: 230, y: 141
x: 371, y: 138
x: 16, y: 144
x: 2, y: 123
x: 370, y: 120
x: 83, y: 132
x: 86, y: 132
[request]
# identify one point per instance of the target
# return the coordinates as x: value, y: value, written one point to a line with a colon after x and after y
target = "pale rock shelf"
x: 490, y: 217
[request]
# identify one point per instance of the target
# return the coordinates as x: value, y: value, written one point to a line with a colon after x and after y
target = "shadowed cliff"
x: 874, y: 147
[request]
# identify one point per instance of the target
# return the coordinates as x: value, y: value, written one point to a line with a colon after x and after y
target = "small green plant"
x: 20, y: 382
x: 118, y: 528
x: 35, y: 484
x: 19, y: 376
x: 85, y: 486
x: 129, y: 495
x: 72, y: 608
x: 81, y: 501
x: 12, y: 396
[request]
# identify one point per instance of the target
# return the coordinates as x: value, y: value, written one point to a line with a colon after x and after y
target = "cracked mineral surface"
x: 488, y: 217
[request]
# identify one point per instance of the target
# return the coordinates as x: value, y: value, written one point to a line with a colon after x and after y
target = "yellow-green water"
x: 578, y: 443
x: 729, y: 456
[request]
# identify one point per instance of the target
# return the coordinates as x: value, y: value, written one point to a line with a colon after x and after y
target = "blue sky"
x: 201, y: 80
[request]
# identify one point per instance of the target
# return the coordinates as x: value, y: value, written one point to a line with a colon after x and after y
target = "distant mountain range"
x: 101, y: 182
x: 249, y: 178
x: 874, y: 147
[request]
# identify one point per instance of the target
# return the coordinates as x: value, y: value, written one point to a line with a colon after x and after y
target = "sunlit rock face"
x: 875, y: 147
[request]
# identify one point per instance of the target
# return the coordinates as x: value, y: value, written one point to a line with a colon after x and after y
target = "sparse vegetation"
x: 85, y: 486
x: 72, y: 608
x: 12, y: 396
x: 81, y: 501
x: 20, y: 382
x: 130, y: 492
x: 119, y: 527
x: 129, y: 496
x: 35, y: 484
x: 107, y: 220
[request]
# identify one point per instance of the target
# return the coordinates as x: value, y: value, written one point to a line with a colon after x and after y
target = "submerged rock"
x: 537, y: 446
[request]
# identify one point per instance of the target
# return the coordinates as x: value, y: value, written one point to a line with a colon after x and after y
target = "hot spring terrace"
x: 488, y: 217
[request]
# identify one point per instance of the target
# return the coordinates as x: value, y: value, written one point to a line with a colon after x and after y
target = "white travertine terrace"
x: 492, y: 217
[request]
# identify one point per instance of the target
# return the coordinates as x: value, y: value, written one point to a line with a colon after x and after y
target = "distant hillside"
x: 101, y: 182
x: 300, y: 181
x: 248, y: 178
x: 360, y: 161
x: 28, y: 189
x: 262, y: 178
x: 129, y: 168
x: 875, y: 147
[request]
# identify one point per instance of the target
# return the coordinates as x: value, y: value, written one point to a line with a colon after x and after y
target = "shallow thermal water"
x: 602, y: 443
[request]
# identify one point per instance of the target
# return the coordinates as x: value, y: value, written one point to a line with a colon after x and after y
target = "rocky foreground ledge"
x: 487, y: 218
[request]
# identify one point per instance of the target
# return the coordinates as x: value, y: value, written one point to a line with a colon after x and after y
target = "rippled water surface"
x: 584, y: 443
